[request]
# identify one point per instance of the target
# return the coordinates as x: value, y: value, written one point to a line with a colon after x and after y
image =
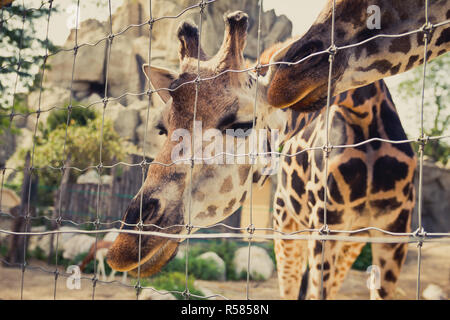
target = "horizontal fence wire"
x: 250, y: 232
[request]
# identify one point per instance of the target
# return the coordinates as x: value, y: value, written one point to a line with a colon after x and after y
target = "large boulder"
x: 89, y: 62
x: 130, y: 48
x: 80, y: 243
x: 43, y: 241
x: 261, y: 265
x: 434, y: 292
x: 436, y: 190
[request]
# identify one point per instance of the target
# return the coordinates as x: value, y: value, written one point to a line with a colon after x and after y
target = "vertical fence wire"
x: 100, y: 165
x: 202, y: 6
x: 253, y: 144
x: 30, y: 169
x: 19, y: 58
x: 327, y: 147
x: 66, y: 135
x: 422, y: 142
x: 144, y: 161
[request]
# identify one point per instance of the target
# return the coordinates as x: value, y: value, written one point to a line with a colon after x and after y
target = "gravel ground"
x: 40, y: 285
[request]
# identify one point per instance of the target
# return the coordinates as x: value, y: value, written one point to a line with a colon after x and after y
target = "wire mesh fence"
x: 248, y: 233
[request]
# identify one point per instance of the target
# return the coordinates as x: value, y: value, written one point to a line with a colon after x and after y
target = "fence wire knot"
x: 189, y: 227
x: 202, y: 5
x: 94, y: 281
x: 251, y: 229
x: 327, y: 148
x: 186, y: 294
x: 138, y: 288
x: 324, y: 230
x: 258, y: 69
x: 427, y: 29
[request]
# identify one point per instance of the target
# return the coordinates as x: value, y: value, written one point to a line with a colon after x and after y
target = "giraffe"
x: 303, y: 86
x: 368, y: 185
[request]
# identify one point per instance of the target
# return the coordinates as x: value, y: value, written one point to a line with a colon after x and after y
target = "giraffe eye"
x: 162, y: 129
x: 245, y: 126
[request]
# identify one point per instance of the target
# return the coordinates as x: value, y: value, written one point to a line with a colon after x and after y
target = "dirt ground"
x: 40, y: 285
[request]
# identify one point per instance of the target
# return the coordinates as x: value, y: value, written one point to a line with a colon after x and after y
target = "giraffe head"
x: 302, y: 83
x: 219, y: 186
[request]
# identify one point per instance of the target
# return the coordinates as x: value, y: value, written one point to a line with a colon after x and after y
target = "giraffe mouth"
x: 155, y: 252
x: 164, y: 255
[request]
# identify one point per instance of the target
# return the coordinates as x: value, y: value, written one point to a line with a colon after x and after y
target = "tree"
x: 21, y: 54
x: 436, y: 110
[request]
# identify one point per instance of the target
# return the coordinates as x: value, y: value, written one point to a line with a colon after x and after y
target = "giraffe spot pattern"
x: 386, y: 172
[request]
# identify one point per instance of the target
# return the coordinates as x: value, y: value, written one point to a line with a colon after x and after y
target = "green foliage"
x: 204, y: 269
x: 82, y: 143
x: 226, y: 249
x: 18, y: 29
x: 173, y: 281
x: 78, y: 116
x: 436, y: 111
x: 3, y: 250
x: 199, y: 268
x: 364, y: 259
x: 38, y: 254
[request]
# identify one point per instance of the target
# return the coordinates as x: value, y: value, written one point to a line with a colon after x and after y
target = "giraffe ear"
x: 160, y: 79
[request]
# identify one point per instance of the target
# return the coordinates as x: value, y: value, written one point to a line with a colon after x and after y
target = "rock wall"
x: 436, y: 198
x: 130, y: 49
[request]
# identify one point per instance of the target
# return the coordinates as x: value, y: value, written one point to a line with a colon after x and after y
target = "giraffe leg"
x: 348, y: 253
x: 330, y: 250
x: 389, y: 257
x: 290, y: 256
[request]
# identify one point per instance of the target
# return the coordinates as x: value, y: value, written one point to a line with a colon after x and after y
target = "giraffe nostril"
x: 149, y: 206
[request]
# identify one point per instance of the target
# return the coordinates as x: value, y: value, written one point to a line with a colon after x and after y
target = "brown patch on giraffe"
x: 318, y: 248
x: 401, y: 44
x: 243, y: 174
x: 244, y: 195
x: 199, y: 196
x: 399, y: 254
x: 390, y: 276
x: 382, y: 292
x: 227, y: 185
x: 229, y: 207
x: 211, y: 213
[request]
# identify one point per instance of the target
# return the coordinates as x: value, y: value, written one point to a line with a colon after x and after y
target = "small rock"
x: 434, y: 292
x: 150, y: 294
x: 261, y: 265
